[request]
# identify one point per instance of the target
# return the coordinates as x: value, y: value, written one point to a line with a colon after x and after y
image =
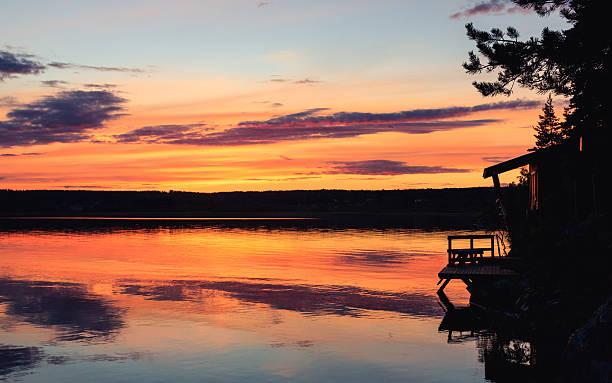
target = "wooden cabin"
x: 564, y: 185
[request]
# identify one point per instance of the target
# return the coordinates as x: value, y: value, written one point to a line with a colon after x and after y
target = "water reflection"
x: 374, y: 258
x: 77, y: 314
x: 315, y: 300
x: 511, y: 348
x: 224, y: 302
x: 17, y: 360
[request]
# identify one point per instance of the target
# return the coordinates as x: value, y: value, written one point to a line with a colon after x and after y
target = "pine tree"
x: 574, y: 62
x: 548, y: 130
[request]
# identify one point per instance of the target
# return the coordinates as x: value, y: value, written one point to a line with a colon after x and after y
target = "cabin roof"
x: 508, y: 165
x: 523, y: 160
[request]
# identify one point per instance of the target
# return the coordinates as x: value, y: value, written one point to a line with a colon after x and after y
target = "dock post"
x: 443, y: 286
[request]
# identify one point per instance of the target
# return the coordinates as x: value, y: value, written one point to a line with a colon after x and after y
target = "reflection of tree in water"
x: 506, y: 359
x: 67, y: 307
x: 506, y: 348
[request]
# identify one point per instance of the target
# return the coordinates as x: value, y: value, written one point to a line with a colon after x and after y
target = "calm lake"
x: 224, y: 301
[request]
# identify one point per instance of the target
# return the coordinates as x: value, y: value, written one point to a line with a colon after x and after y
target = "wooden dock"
x: 476, y: 270
x: 470, y: 263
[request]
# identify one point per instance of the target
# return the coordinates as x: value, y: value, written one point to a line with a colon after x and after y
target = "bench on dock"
x: 469, y: 263
x: 471, y: 254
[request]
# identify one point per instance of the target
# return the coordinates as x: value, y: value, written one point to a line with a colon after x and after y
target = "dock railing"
x: 470, y: 254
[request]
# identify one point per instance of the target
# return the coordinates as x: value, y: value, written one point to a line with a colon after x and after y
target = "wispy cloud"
x: 100, y: 86
x: 270, y: 103
x: 19, y: 154
x: 68, y: 116
x: 54, y: 83
x: 64, y: 65
x: 85, y: 187
x: 12, y: 64
x: 263, y: 4
x: 496, y: 158
x: 488, y: 7
x: 306, y: 81
x: 386, y: 168
x: 8, y: 101
x: 309, y: 116
x: 162, y: 133
x: 309, y: 124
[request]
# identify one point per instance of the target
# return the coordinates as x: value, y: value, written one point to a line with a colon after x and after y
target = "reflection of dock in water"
x: 478, y: 261
x: 504, y: 341
x: 507, y: 356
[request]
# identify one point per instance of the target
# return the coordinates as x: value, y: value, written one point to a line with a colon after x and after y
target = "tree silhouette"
x: 574, y: 63
x: 548, y: 130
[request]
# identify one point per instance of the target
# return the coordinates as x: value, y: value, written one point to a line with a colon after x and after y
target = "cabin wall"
x: 563, y: 188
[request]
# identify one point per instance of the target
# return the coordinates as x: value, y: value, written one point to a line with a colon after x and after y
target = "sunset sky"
x: 224, y: 95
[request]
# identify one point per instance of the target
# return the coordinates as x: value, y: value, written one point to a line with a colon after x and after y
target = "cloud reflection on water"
x: 308, y: 299
x: 18, y: 359
x: 67, y: 307
x: 376, y: 258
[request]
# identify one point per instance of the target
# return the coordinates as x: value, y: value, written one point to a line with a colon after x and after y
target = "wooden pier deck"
x: 476, y: 270
x: 470, y: 263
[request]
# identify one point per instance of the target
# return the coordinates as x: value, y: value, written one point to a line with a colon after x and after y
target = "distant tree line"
x: 312, y: 203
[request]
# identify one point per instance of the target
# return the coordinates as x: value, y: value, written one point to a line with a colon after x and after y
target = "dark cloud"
x: 54, y: 83
x: 67, y: 116
x: 488, y: 7
x: 12, y: 64
x: 263, y: 4
x: 496, y: 158
x: 276, y: 104
x: 64, y: 65
x: 19, y: 154
x: 252, y: 135
x: 308, y: 116
x: 386, y: 168
x: 309, y: 125
x: 162, y: 133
